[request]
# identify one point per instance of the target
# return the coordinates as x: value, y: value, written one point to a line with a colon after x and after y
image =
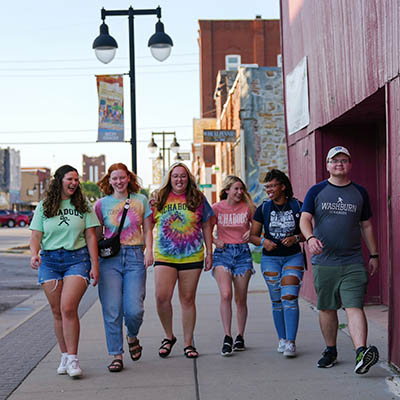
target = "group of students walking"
x: 65, y: 231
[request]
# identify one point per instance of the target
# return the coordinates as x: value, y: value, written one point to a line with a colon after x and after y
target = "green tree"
x: 91, y: 190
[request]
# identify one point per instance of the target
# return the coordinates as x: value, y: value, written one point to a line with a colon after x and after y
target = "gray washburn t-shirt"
x: 338, y: 211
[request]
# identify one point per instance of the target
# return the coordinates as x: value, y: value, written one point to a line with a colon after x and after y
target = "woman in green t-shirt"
x: 64, y: 249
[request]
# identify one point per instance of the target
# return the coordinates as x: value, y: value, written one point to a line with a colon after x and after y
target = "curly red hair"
x: 105, y: 185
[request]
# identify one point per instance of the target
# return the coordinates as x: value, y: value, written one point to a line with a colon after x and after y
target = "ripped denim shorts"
x: 235, y: 258
x: 57, y: 264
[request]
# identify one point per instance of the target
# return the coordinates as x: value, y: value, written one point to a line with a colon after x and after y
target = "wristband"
x: 262, y: 242
x: 311, y: 237
x: 374, y: 256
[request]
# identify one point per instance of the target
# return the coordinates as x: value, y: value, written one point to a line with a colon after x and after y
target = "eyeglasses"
x: 343, y: 161
x: 271, y: 185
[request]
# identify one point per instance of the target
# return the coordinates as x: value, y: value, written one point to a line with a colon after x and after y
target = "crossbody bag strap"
x: 121, y: 224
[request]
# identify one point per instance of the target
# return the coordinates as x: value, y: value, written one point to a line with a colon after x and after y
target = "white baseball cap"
x: 336, y: 150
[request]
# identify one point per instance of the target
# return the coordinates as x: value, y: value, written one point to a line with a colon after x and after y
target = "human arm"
x: 99, y: 232
x: 148, y: 241
x: 218, y: 242
x: 369, y: 239
x: 255, y: 233
x: 291, y: 240
x: 314, y: 244
x: 91, y: 241
x: 208, y: 240
x: 34, y: 246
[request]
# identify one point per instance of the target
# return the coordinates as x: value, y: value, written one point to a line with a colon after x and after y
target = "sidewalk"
x: 258, y: 373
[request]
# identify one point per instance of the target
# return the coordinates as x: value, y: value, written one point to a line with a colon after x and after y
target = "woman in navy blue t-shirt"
x: 282, y: 262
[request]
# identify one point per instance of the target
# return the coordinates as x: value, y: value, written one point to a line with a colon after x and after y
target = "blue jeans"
x: 285, y: 312
x: 122, y: 289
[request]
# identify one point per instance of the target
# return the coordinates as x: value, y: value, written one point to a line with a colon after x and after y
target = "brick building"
x: 93, y: 168
x: 254, y: 41
x: 235, y: 90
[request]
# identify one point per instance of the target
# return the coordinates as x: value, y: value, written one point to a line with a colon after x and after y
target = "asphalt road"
x: 17, y: 279
x: 13, y: 237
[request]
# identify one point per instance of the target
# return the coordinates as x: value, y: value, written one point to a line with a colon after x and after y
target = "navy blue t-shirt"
x: 337, y: 212
x: 280, y: 222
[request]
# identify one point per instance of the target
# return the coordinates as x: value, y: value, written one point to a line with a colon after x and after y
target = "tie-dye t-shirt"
x: 109, y: 211
x: 179, y: 236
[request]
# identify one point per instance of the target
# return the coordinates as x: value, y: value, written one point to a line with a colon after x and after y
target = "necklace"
x: 282, y: 207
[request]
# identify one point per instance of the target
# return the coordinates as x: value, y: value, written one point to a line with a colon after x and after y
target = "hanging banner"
x: 110, y: 90
x: 297, y: 113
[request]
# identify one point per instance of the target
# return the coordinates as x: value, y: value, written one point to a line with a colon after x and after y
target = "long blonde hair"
x: 194, y: 197
x: 226, y: 185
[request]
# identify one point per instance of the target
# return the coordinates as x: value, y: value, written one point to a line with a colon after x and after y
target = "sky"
x: 48, y: 95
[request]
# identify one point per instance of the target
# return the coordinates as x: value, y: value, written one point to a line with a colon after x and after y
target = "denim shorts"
x: 57, y: 264
x: 235, y: 258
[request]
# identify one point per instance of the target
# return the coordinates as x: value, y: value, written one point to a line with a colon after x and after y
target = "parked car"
x: 10, y: 218
x: 29, y: 214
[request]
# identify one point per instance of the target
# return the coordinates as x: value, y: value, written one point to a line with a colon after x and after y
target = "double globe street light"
x: 174, y: 146
x: 105, y: 47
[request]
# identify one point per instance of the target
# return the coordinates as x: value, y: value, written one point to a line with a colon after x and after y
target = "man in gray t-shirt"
x: 335, y: 214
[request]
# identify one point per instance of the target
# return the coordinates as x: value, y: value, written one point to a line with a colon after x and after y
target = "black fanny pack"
x: 110, y: 247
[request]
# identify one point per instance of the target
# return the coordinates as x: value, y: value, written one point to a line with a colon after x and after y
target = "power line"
x: 87, y: 130
x: 86, y: 75
x: 82, y: 142
x: 81, y: 59
x: 94, y: 67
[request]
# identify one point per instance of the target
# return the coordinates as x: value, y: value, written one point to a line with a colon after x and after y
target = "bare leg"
x: 53, y: 289
x: 224, y: 281
x: 73, y: 289
x: 187, y: 285
x: 241, y: 284
x: 358, y: 327
x: 165, y: 279
x: 328, y: 321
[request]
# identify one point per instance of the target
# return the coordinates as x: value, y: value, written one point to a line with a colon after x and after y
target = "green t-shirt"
x: 66, y: 230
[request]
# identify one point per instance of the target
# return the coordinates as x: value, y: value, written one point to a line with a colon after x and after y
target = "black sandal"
x: 135, y: 349
x: 166, y: 342
x: 190, y: 352
x: 116, y: 365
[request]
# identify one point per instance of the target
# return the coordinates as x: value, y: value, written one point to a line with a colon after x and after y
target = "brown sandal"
x: 116, y: 365
x: 135, y: 349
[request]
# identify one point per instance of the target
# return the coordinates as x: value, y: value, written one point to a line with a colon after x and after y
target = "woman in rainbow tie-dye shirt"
x: 182, y: 216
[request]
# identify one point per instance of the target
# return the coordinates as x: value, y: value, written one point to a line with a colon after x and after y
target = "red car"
x: 11, y: 219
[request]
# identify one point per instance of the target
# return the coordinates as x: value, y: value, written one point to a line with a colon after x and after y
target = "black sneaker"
x: 227, y: 346
x: 239, y: 344
x: 366, y: 359
x: 328, y: 359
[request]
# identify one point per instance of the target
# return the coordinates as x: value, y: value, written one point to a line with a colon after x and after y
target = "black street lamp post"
x: 174, y: 146
x: 105, y: 47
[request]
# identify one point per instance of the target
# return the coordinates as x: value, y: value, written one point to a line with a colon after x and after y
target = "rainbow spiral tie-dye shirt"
x: 179, y: 236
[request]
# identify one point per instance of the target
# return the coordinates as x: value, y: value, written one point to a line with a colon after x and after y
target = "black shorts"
x: 181, y: 266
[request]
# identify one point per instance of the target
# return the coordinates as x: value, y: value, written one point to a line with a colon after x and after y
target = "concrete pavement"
x: 257, y: 373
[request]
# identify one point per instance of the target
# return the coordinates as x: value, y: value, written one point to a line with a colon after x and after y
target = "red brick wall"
x: 256, y: 41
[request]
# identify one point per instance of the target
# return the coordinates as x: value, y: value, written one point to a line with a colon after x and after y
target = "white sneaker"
x: 73, y: 369
x: 62, y: 368
x: 282, y: 345
x: 290, y: 350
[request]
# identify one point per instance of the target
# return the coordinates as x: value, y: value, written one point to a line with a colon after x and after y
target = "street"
x: 17, y: 279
